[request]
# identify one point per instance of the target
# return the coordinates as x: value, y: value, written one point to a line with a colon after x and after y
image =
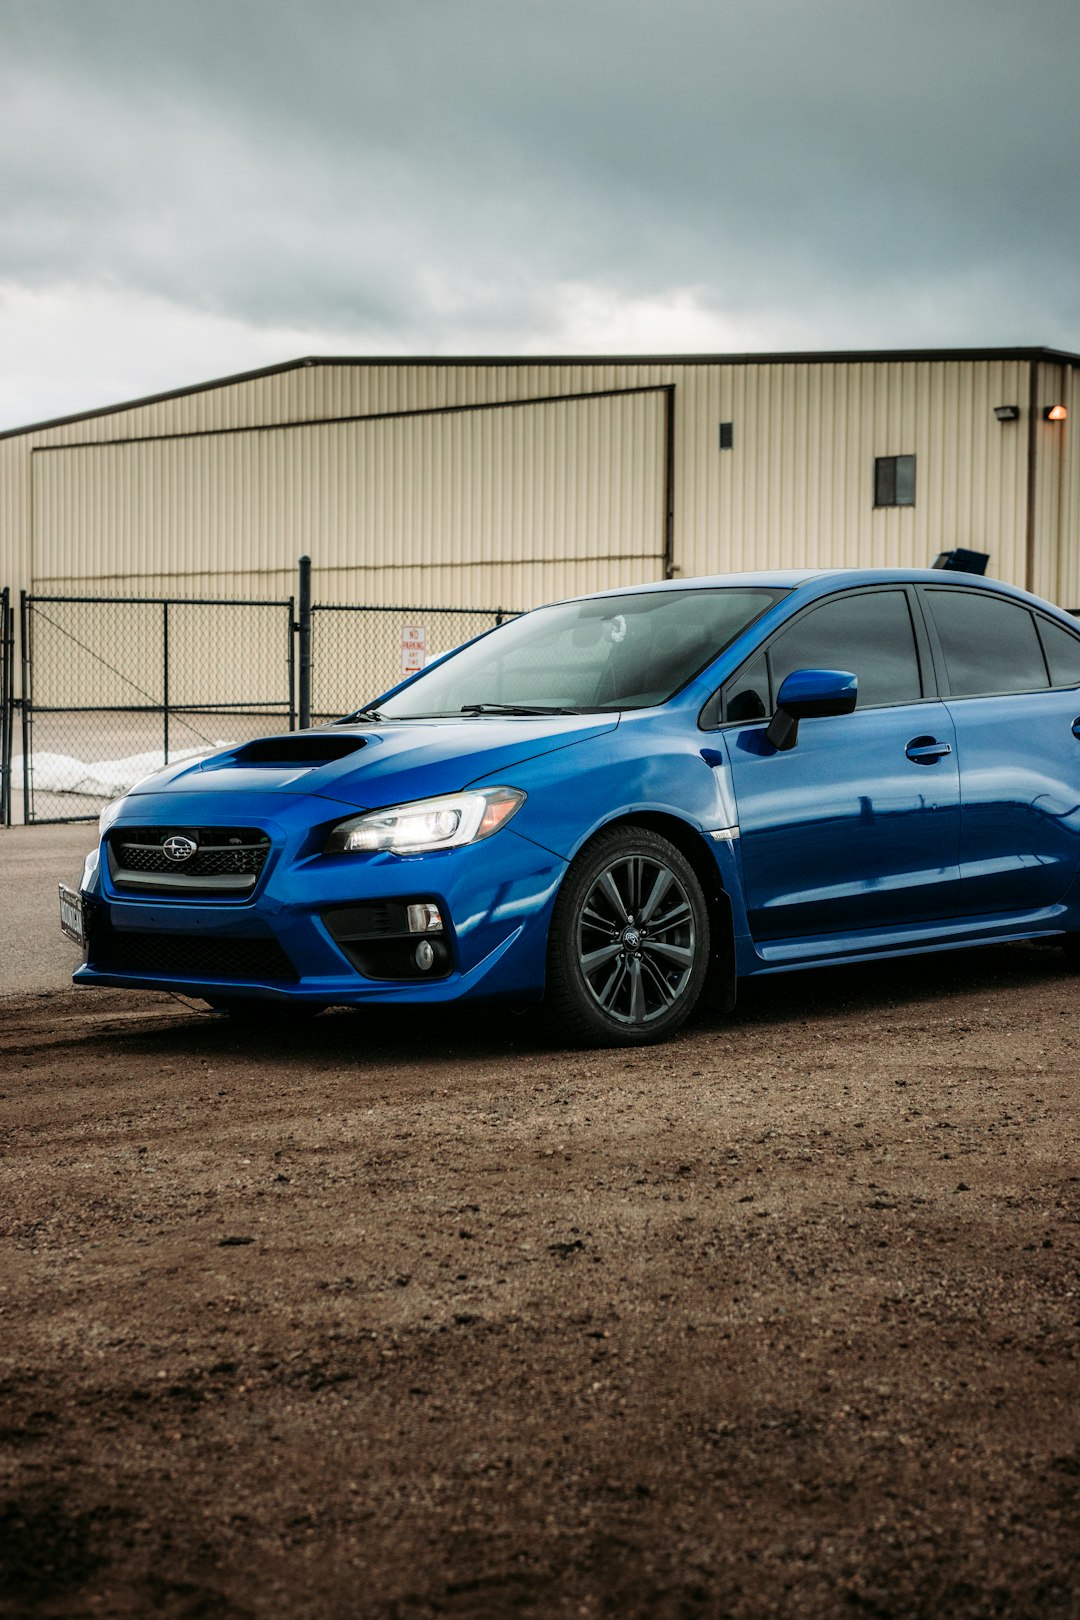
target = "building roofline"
x: 795, y: 357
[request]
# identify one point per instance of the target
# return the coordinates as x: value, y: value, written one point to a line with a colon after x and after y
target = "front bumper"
x: 495, y: 898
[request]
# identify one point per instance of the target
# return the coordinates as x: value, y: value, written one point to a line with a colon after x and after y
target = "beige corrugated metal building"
x: 503, y: 482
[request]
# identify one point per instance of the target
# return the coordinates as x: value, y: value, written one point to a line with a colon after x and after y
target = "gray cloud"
x: 415, y: 170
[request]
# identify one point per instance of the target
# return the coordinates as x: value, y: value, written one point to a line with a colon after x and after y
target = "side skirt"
x: 831, y: 950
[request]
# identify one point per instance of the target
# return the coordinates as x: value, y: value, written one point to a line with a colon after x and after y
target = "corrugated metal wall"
x: 1068, y: 546
x: 797, y: 488
x: 518, y: 506
x: 1057, y: 488
x: 503, y: 506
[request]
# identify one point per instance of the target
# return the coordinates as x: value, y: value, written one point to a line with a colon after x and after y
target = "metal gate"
x: 7, y: 702
x: 115, y: 687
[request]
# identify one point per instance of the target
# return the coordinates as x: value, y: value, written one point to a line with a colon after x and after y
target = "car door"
x: 856, y: 828
x: 1018, y: 743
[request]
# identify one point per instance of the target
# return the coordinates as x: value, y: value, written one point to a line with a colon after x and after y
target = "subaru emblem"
x: 179, y: 848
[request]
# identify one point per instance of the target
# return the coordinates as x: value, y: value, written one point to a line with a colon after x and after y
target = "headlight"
x: 462, y: 818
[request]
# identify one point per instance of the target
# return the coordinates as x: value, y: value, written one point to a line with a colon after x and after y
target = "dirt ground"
x: 407, y: 1316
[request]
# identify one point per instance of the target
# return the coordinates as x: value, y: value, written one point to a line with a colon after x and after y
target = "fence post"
x: 165, y: 678
x: 6, y: 705
x: 290, y: 661
x: 27, y: 699
x: 303, y: 628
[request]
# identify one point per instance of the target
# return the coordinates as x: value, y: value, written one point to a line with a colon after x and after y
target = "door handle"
x: 1076, y: 727
x: 927, y: 750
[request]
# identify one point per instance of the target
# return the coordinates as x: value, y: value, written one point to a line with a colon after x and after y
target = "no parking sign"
x: 413, y: 648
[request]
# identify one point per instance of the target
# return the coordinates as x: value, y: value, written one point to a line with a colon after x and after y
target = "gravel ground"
x: 413, y: 1316
x: 33, y: 860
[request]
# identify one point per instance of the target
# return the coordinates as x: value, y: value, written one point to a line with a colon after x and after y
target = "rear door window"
x: 1062, y: 650
x: 990, y: 645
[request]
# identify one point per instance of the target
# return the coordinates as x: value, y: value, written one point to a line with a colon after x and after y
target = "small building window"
x: 894, y: 481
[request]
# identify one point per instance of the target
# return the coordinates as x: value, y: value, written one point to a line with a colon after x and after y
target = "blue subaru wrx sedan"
x: 622, y: 804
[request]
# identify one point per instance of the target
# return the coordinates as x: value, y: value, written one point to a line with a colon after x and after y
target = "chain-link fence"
x: 113, y: 688
x: 357, y: 653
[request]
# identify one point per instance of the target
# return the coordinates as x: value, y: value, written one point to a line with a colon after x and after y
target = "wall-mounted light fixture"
x: 1055, y: 413
x: 1007, y: 413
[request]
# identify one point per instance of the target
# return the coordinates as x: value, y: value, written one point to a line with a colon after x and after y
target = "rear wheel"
x: 629, y: 945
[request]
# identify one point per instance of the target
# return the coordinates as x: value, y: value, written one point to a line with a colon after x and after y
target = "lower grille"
x: 190, y: 956
x: 368, y: 920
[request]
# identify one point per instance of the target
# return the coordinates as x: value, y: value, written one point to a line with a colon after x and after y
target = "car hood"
x: 369, y: 766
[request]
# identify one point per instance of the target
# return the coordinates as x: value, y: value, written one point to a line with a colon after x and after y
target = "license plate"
x: 71, y: 915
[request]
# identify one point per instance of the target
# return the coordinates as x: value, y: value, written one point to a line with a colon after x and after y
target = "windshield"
x: 611, y: 652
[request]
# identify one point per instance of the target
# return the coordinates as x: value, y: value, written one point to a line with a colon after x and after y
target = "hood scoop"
x: 296, y: 748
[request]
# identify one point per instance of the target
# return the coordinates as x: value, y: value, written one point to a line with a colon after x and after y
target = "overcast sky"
x: 194, y: 187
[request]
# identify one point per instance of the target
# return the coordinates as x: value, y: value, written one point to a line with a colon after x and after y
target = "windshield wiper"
x: 361, y: 714
x: 513, y: 708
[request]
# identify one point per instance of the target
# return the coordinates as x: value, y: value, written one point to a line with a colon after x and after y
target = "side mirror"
x: 808, y: 694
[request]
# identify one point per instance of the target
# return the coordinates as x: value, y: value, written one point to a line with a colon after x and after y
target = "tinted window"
x: 747, y: 696
x: 871, y: 636
x: 606, y: 652
x: 990, y: 645
x: 1062, y: 650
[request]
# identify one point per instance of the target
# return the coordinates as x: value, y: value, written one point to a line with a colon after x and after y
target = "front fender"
x: 647, y: 766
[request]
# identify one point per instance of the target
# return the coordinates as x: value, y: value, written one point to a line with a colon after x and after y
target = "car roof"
x: 791, y: 579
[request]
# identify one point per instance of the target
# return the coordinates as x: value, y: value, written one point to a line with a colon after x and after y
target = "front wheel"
x: 629, y: 944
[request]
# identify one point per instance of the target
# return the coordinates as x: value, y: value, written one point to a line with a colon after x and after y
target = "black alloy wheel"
x: 630, y: 941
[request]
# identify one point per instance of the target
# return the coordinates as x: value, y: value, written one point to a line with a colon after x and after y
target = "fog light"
x: 423, y: 917
x: 424, y: 956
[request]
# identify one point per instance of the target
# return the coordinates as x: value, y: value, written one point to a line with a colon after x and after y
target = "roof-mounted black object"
x: 959, y: 561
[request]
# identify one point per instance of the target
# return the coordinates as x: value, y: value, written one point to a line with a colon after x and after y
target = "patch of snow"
x: 103, y: 778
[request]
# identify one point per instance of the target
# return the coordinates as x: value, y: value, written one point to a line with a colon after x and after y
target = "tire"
x: 629, y: 945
